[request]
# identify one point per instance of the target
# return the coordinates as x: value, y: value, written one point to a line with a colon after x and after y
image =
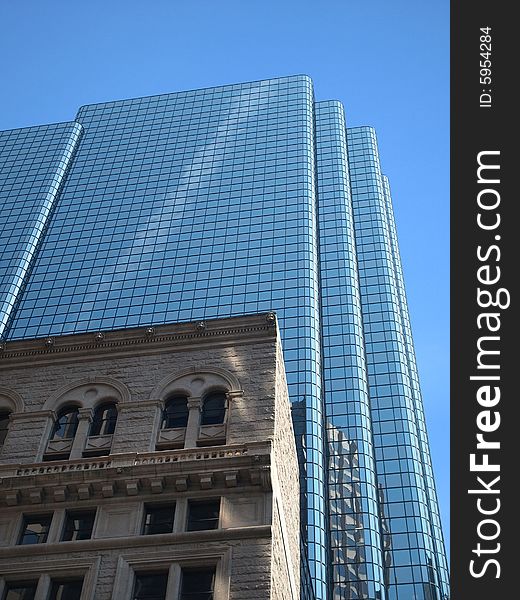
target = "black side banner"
x: 485, y: 238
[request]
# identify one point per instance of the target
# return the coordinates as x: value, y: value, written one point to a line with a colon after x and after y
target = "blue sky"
x: 388, y: 62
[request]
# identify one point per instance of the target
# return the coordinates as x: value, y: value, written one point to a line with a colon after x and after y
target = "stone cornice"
x: 131, y: 406
x: 122, y: 475
x: 31, y: 415
x: 177, y: 337
x: 141, y: 541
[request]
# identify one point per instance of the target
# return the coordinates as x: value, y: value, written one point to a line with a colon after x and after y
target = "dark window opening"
x: 150, y: 586
x: 69, y: 589
x: 78, y: 526
x: 203, y: 514
x: 158, y: 519
x: 198, y: 583
x: 4, y: 426
x: 213, y: 409
x: 53, y: 457
x: 35, y: 530
x: 104, y: 419
x: 66, y: 424
x: 20, y: 591
x: 175, y: 413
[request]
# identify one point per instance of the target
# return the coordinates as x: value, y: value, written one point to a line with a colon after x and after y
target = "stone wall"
x: 252, y: 470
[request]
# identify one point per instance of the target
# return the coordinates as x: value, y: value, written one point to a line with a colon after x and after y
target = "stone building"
x: 149, y: 463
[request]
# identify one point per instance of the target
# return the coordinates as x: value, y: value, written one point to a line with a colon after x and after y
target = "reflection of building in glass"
x: 403, y: 464
x: 233, y: 200
x: 348, y: 552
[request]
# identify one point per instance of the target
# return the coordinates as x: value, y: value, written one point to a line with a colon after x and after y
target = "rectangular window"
x: 198, y: 583
x: 78, y: 526
x: 20, y: 591
x: 203, y: 514
x: 158, y: 519
x: 35, y: 529
x: 66, y: 589
x: 150, y: 586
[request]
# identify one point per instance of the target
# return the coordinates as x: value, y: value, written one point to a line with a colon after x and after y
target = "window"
x: 104, y: 419
x: 66, y: 424
x: 20, y: 591
x: 35, y: 529
x: 78, y: 526
x: 213, y: 409
x: 4, y: 426
x: 158, y: 519
x: 150, y: 586
x: 66, y: 589
x: 203, y: 514
x: 198, y: 584
x: 175, y: 413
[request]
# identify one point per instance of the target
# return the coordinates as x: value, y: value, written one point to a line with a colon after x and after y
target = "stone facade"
x: 244, y: 463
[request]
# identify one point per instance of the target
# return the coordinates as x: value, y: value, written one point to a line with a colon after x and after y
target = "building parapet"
x: 132, y: 473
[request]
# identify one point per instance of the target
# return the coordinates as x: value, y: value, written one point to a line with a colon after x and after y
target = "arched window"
x: 175, y: 413
x: 4, y: 426
x: 66, y: 424
x: 213, y: 409
x: 104, y: 419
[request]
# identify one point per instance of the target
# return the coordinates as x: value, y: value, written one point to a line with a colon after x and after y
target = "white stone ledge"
x: 134, y: 459
x: 188, y: 538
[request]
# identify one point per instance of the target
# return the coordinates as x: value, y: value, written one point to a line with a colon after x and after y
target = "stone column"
x: 234, y: 427
x: 137, y: 426
x: 57, y: 523
x: 192, y: 428
x: 44, y: 586
x: 28, y: 436
x: 181, y: 515
x: 80, y: 439
x: 174, y: 581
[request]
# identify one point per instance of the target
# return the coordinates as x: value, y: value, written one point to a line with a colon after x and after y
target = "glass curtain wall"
x: 233, y: 200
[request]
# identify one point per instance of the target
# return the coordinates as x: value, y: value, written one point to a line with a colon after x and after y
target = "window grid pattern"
x: 66, y: 424
x: 69, y: 589
x: 417, y: 397
x: 33, y: 165
x: 197, y: 584
x: 175, y: 413
x: 35, y: 529
x: 213, y: 409
x: 171, y: 196
x: 20, y: 591
x: 104, y: 419
x: 357, y: 568
x: 158, y: 519
x: 150, y: 586
x: 78, y: 525
x: 408, y: 545
x: 135, y: 211
x: 203, y: 514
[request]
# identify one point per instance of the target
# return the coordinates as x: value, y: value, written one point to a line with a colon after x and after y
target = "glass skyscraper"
x: 233, y: 200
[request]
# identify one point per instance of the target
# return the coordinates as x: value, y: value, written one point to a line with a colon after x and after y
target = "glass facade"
x: 33, y: 164
x: 357, y: 567
x: 233, y: 200
x: 413, y: 550
x: 434, y: 516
